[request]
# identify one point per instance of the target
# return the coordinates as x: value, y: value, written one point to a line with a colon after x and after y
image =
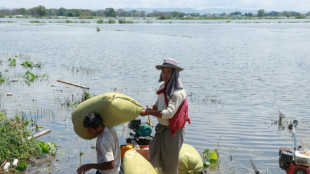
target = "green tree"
x: 41, y: 10
x: 261, y: 13
x: 109, y: 12
x: 22, y: 11
x: 62, y: 12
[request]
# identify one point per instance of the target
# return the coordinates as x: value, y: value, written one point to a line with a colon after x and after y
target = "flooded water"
x: 239, y: 76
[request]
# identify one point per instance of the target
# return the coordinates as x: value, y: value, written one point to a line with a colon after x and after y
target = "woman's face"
x: 166, y: 74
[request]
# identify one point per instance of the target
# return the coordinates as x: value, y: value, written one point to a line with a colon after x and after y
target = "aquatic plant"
x: 74, y: 101
x: 124, y: 21
x: 29, y: 76
x: 111, y: 21
x: 2, y: 80
x: 0, y: 62
x: 100, y: 21
x: 210, y: 159
x: 98, y: 29
x: 81, y: 154
x: 12, y: 62
x: 35, y: 22
x: 14, y: 142
x: 21, y: 166
x: 29, y: 64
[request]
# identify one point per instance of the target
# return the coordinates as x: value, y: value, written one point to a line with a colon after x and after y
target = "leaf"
x: 21, y: 166
x: 207, y: 152
x: 44, y: 147
x: 213, y: 157
x: 74, y: 104
x: 51, y: 146
x: 206, y: 164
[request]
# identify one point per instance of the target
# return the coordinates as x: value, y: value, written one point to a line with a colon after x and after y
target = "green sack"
x: 114, y: 109
x: 134, y: 163
x: 190, y: 161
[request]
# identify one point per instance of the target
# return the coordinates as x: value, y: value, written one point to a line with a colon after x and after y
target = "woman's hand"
x: 143, y: 112
x: 154, y: 108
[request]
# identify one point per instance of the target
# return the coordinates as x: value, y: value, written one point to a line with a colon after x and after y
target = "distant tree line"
x: 41, y: 11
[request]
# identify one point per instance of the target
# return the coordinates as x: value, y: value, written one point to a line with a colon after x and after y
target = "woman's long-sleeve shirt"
x: 174, y: 102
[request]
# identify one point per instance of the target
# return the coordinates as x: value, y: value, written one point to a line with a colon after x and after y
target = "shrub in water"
x: 14, y: 143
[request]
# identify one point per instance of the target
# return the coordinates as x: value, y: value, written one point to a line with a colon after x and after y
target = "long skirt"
x: 164, y: 149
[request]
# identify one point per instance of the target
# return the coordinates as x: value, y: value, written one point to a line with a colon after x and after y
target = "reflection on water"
x: 239, y: 76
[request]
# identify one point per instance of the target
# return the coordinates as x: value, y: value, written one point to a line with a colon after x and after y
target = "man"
x: 107, y: 146
x: 171, y: 110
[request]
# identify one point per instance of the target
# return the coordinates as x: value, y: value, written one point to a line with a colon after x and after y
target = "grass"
x: 75, y: 101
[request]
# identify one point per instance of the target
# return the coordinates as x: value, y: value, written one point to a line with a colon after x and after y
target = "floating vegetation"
x: 210, y: 159
x: 2, y: 80
x: 16, y: 144
x: 29, y: 76
x: 29, y: 64
x: 98, y: 29
x: 12, y: 61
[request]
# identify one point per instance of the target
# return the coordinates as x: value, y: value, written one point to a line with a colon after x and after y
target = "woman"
x: 171, y: 110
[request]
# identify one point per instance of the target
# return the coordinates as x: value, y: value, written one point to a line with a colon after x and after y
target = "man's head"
x: 93, y: 123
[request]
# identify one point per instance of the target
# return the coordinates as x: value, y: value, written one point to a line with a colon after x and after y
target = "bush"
x: 124, y: 21
x: 100, y: 21
x: 111, y: 21
x: 14, y: 143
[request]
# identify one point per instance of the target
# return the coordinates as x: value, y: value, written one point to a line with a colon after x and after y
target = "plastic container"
x: 124, y: 148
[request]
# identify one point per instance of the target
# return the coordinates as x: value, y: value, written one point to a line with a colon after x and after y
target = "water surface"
x: 250, y: 70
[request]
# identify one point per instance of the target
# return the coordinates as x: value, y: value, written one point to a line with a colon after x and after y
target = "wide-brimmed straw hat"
x: 170, y: 63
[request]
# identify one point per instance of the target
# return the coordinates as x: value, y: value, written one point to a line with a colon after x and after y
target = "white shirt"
x: 174, y: 103
x: 108, y: 149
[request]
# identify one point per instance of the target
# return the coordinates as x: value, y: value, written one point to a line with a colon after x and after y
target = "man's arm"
x: 102, y: 166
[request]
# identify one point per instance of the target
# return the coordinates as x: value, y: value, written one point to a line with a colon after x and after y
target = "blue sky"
x: 277, y: 5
